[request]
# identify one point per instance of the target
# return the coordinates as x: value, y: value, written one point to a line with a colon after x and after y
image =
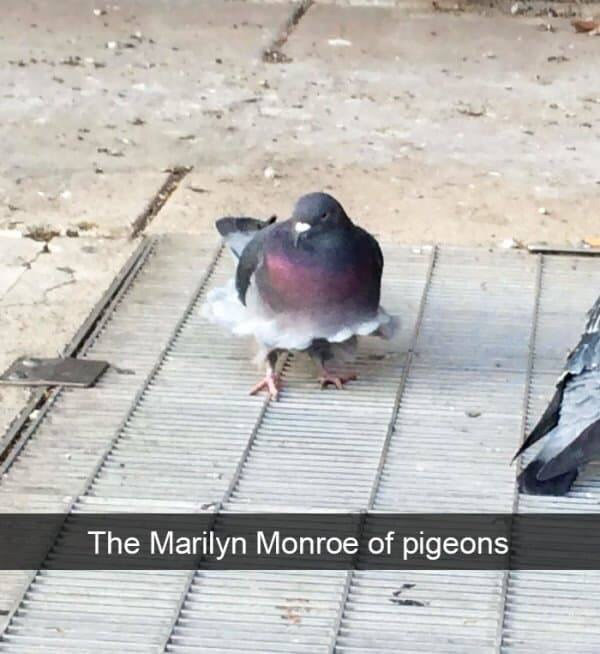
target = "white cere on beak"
x: 301, y: 227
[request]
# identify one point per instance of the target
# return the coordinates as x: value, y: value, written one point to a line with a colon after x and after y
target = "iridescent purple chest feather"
x: 332, y: 272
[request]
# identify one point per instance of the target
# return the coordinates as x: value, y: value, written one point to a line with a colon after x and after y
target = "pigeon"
x: 571, y: 422
x: 311, y: 284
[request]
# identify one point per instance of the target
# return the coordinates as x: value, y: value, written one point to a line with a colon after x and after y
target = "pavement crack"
x: 273, y: 54
x: 176, y: 175
x: 49, y: 290
x: 27, y: 265
x: 46, y: 292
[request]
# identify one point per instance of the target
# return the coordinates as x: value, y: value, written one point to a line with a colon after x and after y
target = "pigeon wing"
x: 584, y: 357
x: 377, y: 257
x: 250, y: 260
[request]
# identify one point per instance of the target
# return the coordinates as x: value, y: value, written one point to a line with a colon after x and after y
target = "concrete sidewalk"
x: 452, y: 127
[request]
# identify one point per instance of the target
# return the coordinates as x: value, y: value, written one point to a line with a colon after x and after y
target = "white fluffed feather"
x: 294, y: 332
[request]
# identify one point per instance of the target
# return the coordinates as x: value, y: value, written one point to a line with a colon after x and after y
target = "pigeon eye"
x: 325, y: 215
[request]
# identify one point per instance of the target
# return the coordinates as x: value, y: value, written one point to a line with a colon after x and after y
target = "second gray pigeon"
x: 311, y: 283
x: 571, y: 423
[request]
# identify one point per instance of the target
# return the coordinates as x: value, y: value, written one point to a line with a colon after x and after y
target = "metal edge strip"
x: 539, y: 248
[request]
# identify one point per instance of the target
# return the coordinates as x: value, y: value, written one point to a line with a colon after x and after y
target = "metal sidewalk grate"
x: 429, y: 431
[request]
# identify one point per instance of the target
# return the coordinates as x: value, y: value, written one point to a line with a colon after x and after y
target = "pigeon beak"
x: 300, y: 228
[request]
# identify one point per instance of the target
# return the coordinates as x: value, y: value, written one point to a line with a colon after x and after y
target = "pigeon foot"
x: 271, y: 382
x: 337, y: 380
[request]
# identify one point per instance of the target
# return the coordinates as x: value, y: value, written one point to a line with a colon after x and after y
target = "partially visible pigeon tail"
x: 238, y: 232
x: 556, y: 486
x: 388, y: 329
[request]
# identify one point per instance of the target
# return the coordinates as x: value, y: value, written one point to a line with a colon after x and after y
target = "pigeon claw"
x: 337, y: 380
x: 271, y: 383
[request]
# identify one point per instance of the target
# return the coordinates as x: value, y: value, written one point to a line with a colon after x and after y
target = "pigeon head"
x: 316, y: 213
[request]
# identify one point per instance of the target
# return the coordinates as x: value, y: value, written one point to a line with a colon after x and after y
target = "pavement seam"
x: 272, y: 54
x: 158, y: 201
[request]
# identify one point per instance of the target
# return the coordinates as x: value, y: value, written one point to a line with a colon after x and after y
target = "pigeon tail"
x: 556, y: 486
x: 387, y: 329
x: 238, y: 232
